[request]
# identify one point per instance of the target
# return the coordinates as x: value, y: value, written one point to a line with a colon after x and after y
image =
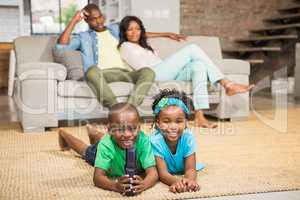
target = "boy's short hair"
x: 122, y: 107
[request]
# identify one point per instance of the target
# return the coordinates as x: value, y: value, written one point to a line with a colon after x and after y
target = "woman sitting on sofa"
x: 188, y: 64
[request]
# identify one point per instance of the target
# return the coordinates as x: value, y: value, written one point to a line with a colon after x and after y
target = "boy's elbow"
x: 96, y: 182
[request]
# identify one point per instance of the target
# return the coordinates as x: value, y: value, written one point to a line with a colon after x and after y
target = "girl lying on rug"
x: 173, y: 144
x: 107, y: 152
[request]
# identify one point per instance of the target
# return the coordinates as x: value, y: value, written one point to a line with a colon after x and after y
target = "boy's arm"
x: 102, y: 181
x: 190, y: 167
x: 163, y: 173
x: 173, y: 36
x: 143, y: 184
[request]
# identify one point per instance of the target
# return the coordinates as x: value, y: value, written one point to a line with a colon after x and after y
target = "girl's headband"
x: 164, y: 102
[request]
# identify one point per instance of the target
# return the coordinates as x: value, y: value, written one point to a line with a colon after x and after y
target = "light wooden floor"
x: 262, y: 102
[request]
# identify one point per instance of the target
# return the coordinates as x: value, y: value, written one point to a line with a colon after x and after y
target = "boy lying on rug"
x: 173, y: 144
x: 107, y: 151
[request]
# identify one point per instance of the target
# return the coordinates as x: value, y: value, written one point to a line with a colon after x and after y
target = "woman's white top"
x: 138, y: 57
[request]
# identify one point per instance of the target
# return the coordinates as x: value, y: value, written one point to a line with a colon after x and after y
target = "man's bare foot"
x: 235, y: 88
x: 201, y: 121
x: 94, y: 133
x: 61, y: 141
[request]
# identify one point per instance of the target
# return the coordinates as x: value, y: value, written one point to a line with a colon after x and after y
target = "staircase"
x: 273, y: 44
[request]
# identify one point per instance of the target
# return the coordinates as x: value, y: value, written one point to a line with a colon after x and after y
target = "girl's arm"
x: 163, y: 173
x: 102, y: 181
x: 173, y: 36
x: 190, y: 167
x: 143, y: 184
x: 190, y: 174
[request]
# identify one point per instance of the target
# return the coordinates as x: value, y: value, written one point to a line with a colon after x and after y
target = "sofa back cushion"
x: 72, y: 61
x: 165, y: 47
x: 34, y: 49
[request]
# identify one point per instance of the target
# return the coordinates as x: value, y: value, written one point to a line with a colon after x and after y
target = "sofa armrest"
x: 42, y: 70
x: 233, y: 66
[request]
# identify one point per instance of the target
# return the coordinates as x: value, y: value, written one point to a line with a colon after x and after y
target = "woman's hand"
x: 177, y: 37
x: 123, y: 184
x: 191, y: 185
x: 178, y: 187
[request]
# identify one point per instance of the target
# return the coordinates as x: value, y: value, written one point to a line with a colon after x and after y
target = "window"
x: 52, y: 16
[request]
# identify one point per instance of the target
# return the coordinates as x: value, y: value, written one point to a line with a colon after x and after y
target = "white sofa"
x: 44, y: 96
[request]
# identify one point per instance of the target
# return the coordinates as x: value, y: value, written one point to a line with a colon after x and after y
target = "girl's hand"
x: 178, y: 187
x: 191, y: 185
x: 177, y: 37
x: 139, y: 184
x: 123, y: 184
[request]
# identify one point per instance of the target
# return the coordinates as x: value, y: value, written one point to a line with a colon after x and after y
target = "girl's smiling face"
x: 171, y: 122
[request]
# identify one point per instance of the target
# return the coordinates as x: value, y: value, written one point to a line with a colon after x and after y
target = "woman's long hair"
x: 124, y: 25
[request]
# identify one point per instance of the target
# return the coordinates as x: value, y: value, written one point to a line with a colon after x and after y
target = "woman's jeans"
x: 190, y: 64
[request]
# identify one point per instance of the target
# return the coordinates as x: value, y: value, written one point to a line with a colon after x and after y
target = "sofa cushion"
x: 72, y: 61
x: 41, y: 70
x: 71, y: 88
x: 233, y: 66
x: 34, y: 48
x: 165, y: 47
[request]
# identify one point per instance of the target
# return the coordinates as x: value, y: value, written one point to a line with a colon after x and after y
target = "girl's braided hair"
x: 173, y: 93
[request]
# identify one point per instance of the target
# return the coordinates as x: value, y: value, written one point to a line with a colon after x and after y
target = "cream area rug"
x: 240, y: 158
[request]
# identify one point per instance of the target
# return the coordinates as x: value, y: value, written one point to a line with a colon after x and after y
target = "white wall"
x: 161, y: 16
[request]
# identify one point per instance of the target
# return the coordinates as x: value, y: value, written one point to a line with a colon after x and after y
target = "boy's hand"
x: 123, y: 184
x: 178, y: 187
x: 139, y: 184
x: 191, y: 185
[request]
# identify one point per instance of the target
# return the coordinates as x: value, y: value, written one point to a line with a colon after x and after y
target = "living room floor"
x: 261, y: 101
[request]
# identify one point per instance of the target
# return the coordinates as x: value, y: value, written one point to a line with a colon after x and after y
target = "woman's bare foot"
x: 201, y: 121
x: 61, y: 141
x: 235, y: 88
x: 94, y: 133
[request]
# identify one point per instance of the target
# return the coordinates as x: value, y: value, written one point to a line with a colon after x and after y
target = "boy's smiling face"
x: 124, y: 128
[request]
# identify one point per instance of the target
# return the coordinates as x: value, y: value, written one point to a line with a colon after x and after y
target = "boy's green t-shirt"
x: 111, y: 158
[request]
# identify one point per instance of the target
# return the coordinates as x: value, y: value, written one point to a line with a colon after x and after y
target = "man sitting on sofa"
x: 101, y: 59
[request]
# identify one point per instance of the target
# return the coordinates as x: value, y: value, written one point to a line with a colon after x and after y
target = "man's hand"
x: 177, y: 37
x: 123, y: 184
x: 191, y: 185
x: 178, y: 187
x: 80, y: 15
x: 139, y: 184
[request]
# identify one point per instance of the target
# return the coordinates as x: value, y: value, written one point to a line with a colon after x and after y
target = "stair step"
x: 276, y: 27
x: 282, y: 17
x: 251, y: 49
x: 266, y: 38
x: 255, y: 61
x: 290, y: 7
